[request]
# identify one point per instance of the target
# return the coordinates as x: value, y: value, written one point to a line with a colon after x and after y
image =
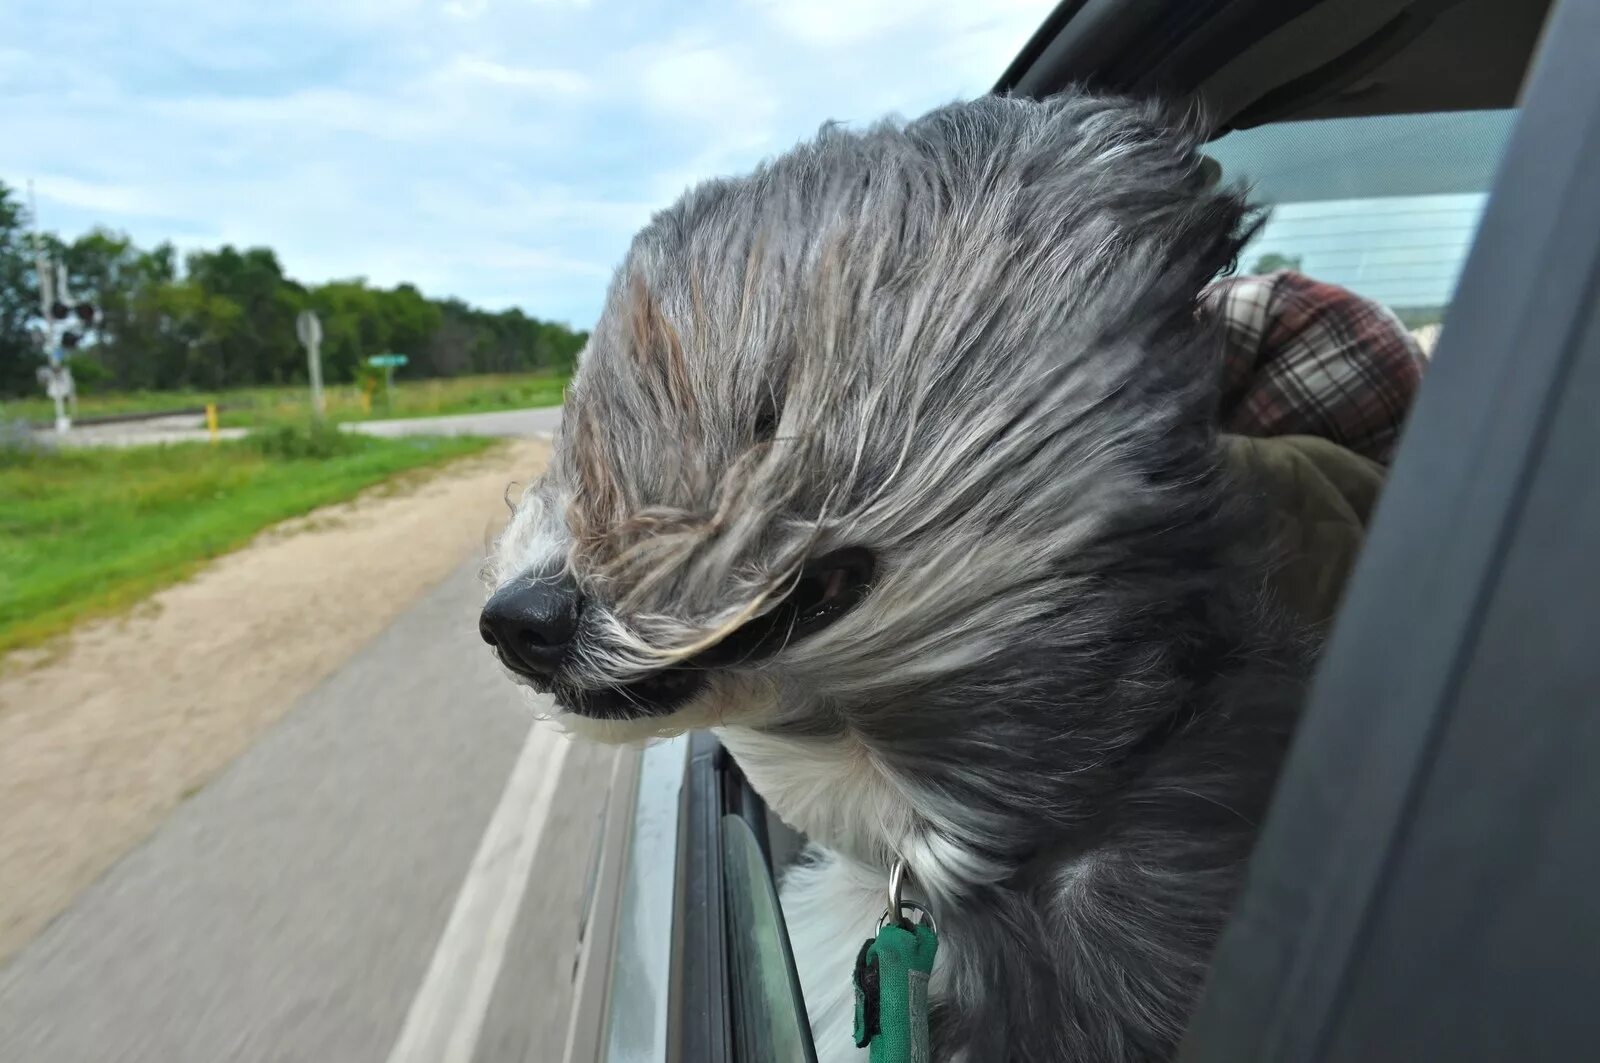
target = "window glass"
x: 1386, y: 206
x: 637, y: 1023
x: 769, y: 1015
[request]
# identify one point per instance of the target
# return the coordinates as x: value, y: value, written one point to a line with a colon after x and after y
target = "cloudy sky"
x: 499, y: 150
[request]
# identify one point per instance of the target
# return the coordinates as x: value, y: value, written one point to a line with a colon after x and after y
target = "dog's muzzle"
x: 532, y: 621
x: 535, y: 623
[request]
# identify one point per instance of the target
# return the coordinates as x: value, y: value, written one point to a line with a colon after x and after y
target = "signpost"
x: 308, y: 327
x: 388, y: 363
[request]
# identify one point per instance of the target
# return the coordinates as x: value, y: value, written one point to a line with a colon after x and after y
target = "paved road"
x: 501, y: 423
x: 189, y: 428
x: 179, y: 428
x: 292, y: 909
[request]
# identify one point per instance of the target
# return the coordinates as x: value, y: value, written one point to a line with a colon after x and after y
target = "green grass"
x: 91, y: 532
x: 253, y: 407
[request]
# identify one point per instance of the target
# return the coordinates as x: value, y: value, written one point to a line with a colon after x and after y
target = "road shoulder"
x: 103, y: 734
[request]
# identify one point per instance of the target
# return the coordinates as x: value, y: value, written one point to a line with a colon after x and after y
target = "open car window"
x: 769, y: 1016
x: 736, y: 995
x: 1385, y: 205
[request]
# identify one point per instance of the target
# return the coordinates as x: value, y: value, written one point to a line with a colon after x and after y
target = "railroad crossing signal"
x: 59, y: 331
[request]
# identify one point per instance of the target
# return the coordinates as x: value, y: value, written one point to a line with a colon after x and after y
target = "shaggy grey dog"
x: 896, y: 462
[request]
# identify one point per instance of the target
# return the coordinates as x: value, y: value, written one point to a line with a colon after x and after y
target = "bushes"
x: 312, y: 440
x: 88, y: 375
x: 18, y: 442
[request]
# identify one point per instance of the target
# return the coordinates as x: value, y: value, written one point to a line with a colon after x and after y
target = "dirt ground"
x: 103, y: 733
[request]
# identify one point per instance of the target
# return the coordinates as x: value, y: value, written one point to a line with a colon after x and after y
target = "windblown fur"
x: 968, y: 344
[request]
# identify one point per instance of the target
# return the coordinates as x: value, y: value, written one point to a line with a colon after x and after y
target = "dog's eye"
x: 831, y: 584
x: 766, y: 425
x: 828, y: 587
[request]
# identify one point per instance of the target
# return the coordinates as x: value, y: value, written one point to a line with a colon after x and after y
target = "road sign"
x: 309, y: 328
x: 388, y: 363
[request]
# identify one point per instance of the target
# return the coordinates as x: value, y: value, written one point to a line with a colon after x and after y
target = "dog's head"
x: 873, y: 419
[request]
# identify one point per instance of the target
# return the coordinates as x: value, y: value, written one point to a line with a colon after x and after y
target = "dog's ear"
x: 1208, y: 236
x: 1176, y: 226
x: 1137, y: 165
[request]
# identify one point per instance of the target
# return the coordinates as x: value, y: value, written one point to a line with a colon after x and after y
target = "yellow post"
x: 211, y: 420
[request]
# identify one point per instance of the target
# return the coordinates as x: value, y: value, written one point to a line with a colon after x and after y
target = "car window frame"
x: 702, y: 1015
x: 1395, y: 815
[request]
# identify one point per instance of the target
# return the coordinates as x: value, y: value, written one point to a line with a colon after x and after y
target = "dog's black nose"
x: 532, y: 621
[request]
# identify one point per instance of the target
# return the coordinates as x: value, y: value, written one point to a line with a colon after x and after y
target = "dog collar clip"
x: 891, y: 979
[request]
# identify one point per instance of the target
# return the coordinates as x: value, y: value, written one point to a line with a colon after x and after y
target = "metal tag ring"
x: 898, y: 905
x: 910, y: 906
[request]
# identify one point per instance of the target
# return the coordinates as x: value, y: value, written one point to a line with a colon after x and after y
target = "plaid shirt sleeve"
x: 1307, y: 358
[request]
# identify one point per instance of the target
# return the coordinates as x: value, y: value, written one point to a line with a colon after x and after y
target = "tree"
x: 411, y: 319
x: 192, y: 345
x: 19, y: 299
x: 226, y: 318
x: 100, y: 269
x: 142, y: 352
x: 1271, y: 262
x: 349, y: 330
x: 261, y: 341
x: 449, y: 349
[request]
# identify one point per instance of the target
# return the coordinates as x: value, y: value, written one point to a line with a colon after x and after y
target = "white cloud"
x: 837, y: 23
x: 94, y: 195
x: 707, y: 86
x: 301, y: 114
x: 470, y: 9
x: 724, y: 115
x: 503, y: 256
x: 471, y: 68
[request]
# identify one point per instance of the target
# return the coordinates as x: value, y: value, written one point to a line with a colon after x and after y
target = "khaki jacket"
x: 1319, y: 497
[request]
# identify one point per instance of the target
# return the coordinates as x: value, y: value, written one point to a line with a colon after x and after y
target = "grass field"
x: 252, y: 407
x: 89, y: 532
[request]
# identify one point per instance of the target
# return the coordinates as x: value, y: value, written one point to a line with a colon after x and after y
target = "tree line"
x: 226, y: 318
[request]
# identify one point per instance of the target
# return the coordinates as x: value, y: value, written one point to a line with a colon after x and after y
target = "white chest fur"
x: 831, y: 790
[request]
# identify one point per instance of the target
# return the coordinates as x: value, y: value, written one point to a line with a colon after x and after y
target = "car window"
x: 1385, y: 205
x: 637, y: 1020
x: 769, y: 1016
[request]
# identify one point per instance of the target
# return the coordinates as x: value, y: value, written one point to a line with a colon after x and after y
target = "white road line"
x: 447, y: 1015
